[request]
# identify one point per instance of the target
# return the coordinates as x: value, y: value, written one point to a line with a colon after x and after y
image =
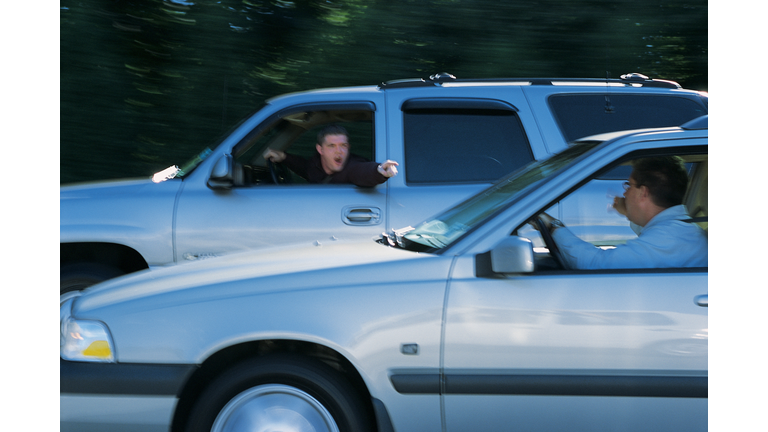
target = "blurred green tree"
x: 148, y: 83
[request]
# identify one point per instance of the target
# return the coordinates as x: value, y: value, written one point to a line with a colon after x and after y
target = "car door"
x: 597, y: 350
x: 258, y: 213
x: 577, y: 351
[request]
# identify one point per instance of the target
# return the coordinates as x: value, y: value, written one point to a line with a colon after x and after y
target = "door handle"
x: 361, y: 215
x: 701, y: 300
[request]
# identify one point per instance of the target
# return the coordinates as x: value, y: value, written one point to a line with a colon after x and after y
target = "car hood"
x: 307, y: 266
x: 111, y: 189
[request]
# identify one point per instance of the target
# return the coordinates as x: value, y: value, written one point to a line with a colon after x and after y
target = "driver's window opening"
x: 296, y: 134
x: 588, y: 211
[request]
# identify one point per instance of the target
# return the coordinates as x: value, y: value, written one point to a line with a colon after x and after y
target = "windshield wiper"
x: 394, y: 238
x: 430, y: 240
x: 397, y: 239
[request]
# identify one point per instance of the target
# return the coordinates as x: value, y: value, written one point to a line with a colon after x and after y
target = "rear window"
x: 462, y: 145
x: 581, y: 115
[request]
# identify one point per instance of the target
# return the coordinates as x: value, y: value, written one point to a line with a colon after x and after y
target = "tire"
x: 280, y: 392
x: 76, y: 277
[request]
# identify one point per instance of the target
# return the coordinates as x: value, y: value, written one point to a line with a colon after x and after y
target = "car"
x: 458, y: 323
x: 452, y: 138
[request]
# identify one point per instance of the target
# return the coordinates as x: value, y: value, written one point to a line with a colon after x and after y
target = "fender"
x: 135, y: 213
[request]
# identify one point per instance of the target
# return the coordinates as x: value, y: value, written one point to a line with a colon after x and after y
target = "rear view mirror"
x: 512, y: 255
x: 222, y: 173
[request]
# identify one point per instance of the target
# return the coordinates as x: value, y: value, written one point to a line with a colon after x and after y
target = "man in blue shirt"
x: 653, y: 203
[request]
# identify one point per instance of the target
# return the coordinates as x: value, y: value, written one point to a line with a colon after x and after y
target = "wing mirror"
x: 222, y: 173
x: 512, y: 255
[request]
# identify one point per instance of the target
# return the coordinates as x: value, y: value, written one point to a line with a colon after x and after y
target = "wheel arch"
x: 121, y: 257
x: 228, y: 357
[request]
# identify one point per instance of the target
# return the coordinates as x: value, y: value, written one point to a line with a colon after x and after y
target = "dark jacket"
x: 358, y: 171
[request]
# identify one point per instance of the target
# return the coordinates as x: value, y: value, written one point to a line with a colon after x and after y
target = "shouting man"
x: 333, y: 162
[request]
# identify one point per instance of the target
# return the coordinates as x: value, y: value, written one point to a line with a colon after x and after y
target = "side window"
x: 295, y: 132
x: 462, y: 142
x: 581, y: 115
x: 588, y: 213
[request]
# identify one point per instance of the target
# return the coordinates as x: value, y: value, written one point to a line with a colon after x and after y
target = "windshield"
x: 454, y: 223
x: 175, y: 171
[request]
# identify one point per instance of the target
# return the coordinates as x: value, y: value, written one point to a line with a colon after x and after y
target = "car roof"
x: 446, y: 79
x: 627, y: 81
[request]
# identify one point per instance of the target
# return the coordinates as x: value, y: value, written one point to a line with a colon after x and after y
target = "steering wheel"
x: 550, y: 242
x: 278, y: 173
x: 272, y: 171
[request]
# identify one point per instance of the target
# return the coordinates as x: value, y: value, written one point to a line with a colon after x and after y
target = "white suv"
x: 452, y: 138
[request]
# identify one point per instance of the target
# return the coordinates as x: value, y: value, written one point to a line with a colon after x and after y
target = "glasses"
x: 626, y: 185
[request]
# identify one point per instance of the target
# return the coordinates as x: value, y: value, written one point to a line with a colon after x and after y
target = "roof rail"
x: 647, y: 82
x: 435, y: 79
x: 632, y: 79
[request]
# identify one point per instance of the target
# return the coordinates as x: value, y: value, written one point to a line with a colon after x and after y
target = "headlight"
x: 84, y: 340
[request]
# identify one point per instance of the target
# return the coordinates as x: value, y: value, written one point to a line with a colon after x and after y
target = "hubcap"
x: 274, y: 408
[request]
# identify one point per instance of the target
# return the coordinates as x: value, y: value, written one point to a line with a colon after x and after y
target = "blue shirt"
x: 666, y: 241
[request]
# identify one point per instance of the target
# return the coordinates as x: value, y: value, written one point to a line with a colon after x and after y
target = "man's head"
x: 333, y: 146
x: 655, y: 184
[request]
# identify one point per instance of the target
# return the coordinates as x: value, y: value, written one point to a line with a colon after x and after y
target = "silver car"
x: 452, y: 138
x: 458, y: 324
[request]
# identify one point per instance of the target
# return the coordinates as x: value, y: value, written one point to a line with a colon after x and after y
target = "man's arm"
x: 582, y: 255
x: 295, y: 163
x: 368, y: 174
x: 275, y: 156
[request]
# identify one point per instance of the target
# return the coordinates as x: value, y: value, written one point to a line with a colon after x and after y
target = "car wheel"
x: 76, y: 277
x: 284, y: 393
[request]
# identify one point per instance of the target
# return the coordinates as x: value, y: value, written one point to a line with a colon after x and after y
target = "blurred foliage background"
x: 148, y: 83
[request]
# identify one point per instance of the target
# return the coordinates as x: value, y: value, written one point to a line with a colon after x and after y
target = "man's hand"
x: 620, y: 205
x: 275, y: 156
x: 388, y: 169
x: 547, y: 219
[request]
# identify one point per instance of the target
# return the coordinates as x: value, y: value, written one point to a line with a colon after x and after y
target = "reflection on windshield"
x: 454, y: 223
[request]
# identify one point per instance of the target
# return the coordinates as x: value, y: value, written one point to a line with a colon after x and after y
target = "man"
x: 333, y: 163
x: 653, y: 202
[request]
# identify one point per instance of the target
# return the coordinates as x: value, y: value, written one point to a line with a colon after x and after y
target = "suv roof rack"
x: 632, y: 79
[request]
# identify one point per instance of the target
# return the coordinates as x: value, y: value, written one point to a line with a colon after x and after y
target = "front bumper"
x: 119, y: 397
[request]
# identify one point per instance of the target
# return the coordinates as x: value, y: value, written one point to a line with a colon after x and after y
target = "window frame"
x: 456, y: 106
x: 563, y: 118
x: 697, y: 150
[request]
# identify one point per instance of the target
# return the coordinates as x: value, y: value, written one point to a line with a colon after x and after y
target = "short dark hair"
x: 332, y: 129
x: 665, y: 177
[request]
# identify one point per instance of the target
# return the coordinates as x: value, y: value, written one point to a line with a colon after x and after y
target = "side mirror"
x: 512, y: 255
x: 222, y: 174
